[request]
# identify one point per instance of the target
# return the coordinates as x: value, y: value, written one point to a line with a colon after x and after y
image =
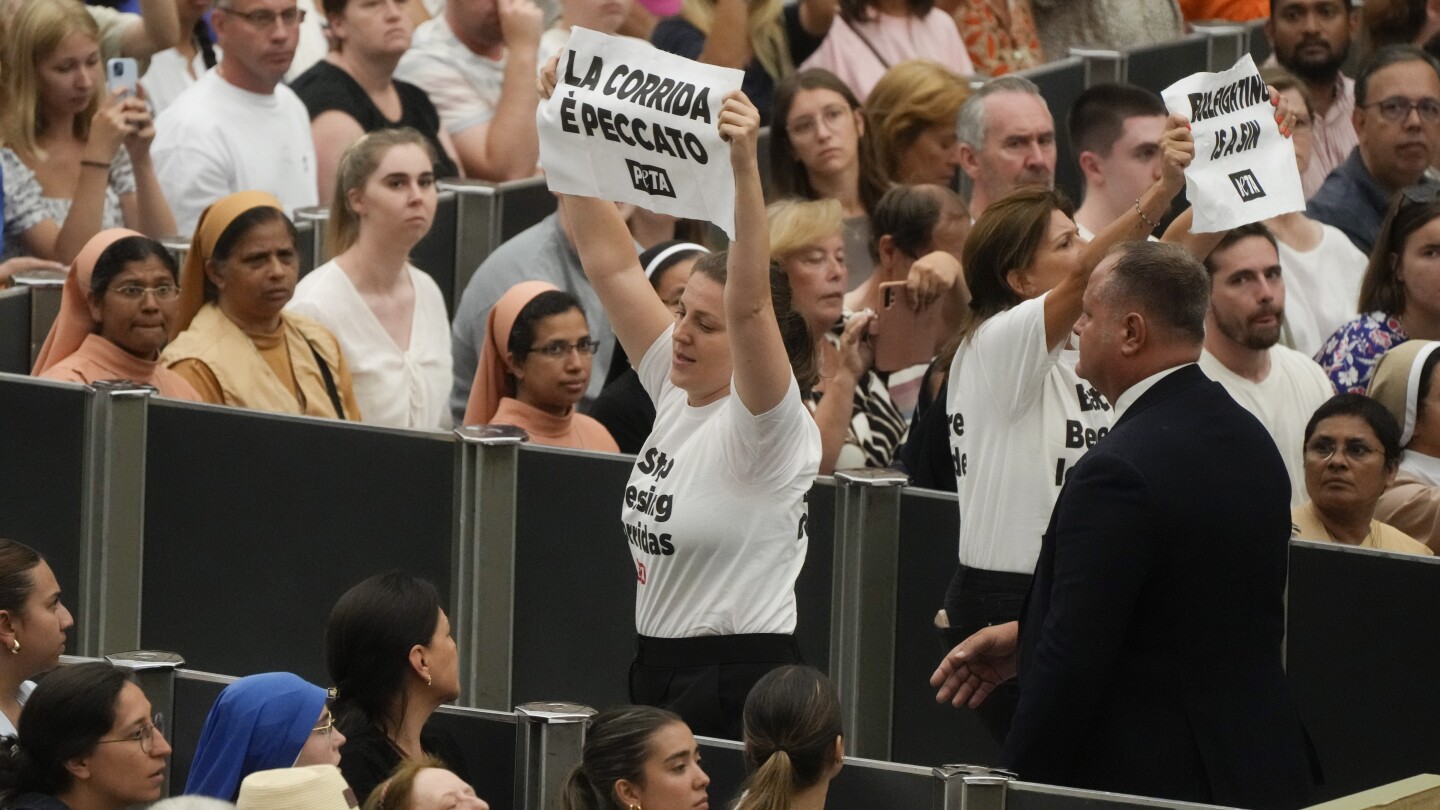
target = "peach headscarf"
x: 491, y: 383
x: 213, y: 222
x: 74, y: 322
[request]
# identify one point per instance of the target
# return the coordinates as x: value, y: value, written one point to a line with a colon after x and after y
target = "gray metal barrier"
x: 45, y: 287
x: 487, y: 214
x: 15, y: 354
x: 311, y: 223
x: 1156, y: 67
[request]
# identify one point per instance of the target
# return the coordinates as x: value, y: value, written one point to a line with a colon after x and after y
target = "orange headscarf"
x: 213, y: 222
x: 491, y: 374
x: 74, y: 322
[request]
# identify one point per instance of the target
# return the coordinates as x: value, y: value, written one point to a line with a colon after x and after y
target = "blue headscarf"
x: 258, y: 723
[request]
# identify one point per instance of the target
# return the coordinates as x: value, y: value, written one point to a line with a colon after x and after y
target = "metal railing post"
x: 482, y: 586
x: 45, y: 287
x: 862, y: 608
x: 1103, y: 66
x: 971, y: 787
x: 155, y: 675
x: 319, y: 218
x: 1225, y: 45
x: 112, y: 520
x: 477, y: 226
x: 549, y: 741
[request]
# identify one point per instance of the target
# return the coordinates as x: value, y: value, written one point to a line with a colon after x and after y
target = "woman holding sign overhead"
x: 714, y: 511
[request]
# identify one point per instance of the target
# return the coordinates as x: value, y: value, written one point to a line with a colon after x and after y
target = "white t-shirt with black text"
x: 1019, y: 420
x: 715, y: 510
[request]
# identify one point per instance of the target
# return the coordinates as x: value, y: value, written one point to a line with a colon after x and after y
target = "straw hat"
x: 313, y: 787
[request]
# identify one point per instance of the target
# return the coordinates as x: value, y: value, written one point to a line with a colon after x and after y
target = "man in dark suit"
x: 1149, y: 651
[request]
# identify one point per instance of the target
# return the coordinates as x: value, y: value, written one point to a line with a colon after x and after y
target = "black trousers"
x: 977, y: 599
x: 705, y: 679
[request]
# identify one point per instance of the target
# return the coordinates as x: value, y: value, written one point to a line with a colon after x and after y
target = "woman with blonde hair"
x: 914, y: 109
x: 388, y: 315
x: 66, y: 176
x: 794, y: 741
x: 764, y: 38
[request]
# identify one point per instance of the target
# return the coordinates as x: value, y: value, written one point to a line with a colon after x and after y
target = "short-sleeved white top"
x: 715, y: 510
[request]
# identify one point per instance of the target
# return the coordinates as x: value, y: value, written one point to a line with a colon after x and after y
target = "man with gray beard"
x: 1243, y: 326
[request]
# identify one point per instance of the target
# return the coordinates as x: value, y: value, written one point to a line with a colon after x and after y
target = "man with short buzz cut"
x: 1149, y: 651
x: 1115, y: 130
x: 477, y: 62
x: 1279, y: 385
x: 1007, y: 139
x: 238, y: 128
x: 1311, y: 40
x: 1397, y: 124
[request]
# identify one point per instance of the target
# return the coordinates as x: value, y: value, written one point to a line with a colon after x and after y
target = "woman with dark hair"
x: 1016, y: 404
x: 1399, y: 296
x: 116, y: 310
x: 174, y: 69
x: 1352, y: 452
x: 719, y: 539
x: 764, y: 38
x: 353, y: 90
x: 794, y: 740
x: 393, y: 663
x: 534, y: 368
x: 235, y: 344
x: 388, y: 315
x: 821, y: 148
x: 636, y: 756
x: 87, y: 741
x: 32, y: 626
x: 261, y: 722
x: 871, y: 36
x: 623, y: 407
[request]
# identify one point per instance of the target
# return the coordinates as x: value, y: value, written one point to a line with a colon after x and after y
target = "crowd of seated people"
x: 596, y: 330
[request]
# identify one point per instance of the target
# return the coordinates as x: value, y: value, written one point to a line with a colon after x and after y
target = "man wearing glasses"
x: 1397, y: 122
x: 238, y: 128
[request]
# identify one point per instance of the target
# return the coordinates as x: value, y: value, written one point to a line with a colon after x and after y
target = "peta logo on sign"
x: 650, y: 179
x: 1247, y: 186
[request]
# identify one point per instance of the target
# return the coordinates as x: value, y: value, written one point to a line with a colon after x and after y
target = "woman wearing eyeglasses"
x: 116, y: 310
x: 1399, y: 295
x: 1352, y: 452
x: 260, y: 722
x: 534, y: 368
x: 388, y: 315
x: 88, y: 741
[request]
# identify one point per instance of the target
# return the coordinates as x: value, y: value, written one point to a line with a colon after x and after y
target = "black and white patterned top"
x: 26, y: 206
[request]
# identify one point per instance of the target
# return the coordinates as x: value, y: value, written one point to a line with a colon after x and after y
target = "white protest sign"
x: 1244, y: 170
x: 631, y: 123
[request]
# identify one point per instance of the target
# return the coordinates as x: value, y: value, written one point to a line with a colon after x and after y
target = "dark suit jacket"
x: 1150, y: 645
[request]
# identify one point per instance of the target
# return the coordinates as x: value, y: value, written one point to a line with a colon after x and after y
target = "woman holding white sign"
x: 715, y: 508
x: 1020, y: 417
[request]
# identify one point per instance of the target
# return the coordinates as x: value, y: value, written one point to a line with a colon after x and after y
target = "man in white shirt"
x: 1115, y: 130
x: 1280, y: 386
x: 1311, y: 40
x: 238, y: 128
x: 1007, y: 139
x: 477, y: 63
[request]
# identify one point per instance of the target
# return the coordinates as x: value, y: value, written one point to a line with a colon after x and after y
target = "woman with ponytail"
x: 175, y: 69
x: 637, y: 757
x: 794, y: 743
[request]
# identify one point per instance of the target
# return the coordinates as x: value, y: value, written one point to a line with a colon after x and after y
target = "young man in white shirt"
x: 1115, y: 130
x: 1007, y: 139
x: 1280, y: 386
x: 238, y: 128
x: 477, y: 64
